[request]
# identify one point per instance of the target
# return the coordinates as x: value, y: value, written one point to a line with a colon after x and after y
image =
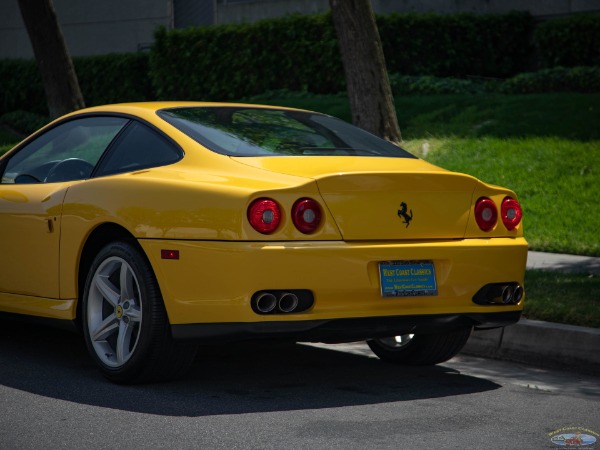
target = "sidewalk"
x: 563, y: 263
x: 544, y: 343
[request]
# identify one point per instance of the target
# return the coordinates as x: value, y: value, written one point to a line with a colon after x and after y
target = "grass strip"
x: 565, y: 115
x: 562, y: 298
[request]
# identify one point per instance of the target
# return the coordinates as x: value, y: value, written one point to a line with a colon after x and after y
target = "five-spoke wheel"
x: 125, y: 322
x: 113, y: 312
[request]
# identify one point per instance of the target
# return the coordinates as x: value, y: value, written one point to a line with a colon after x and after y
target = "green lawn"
x: 563, y: 298
x: 565, y: 115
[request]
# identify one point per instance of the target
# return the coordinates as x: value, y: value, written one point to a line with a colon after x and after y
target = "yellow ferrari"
x: 155, y: 227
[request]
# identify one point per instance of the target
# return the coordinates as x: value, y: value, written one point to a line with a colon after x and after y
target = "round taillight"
x: 486, y: 214
x: 264, y: 215
x: 511, y: 213
x: 306, y: 215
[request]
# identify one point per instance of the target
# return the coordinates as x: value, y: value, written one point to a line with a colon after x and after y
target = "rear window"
x: 247, y: 131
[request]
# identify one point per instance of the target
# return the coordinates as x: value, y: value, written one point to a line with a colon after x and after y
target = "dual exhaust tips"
x: 499, y: 294
x: 276, y: 301
x: 281, y: 301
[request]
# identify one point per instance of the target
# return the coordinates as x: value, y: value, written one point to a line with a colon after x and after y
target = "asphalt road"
x: 282, y: 397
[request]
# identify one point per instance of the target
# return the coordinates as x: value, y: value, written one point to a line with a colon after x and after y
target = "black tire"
x: 125, y: 323
x: 421, y: 349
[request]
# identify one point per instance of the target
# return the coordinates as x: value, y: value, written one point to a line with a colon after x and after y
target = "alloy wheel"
x: 114, y: 312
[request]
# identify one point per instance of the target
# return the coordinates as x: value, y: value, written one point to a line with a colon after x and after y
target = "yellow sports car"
x: 155, y: 227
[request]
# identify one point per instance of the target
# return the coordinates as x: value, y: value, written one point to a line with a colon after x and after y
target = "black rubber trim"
x: 340, y: 330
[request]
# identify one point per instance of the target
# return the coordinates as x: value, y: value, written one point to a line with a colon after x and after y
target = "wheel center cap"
x: 119, y: 311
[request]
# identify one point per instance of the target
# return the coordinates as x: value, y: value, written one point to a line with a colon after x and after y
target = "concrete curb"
x: 539, y: 343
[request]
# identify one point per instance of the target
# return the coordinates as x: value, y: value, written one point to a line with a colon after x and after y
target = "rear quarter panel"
x: 167, y: 203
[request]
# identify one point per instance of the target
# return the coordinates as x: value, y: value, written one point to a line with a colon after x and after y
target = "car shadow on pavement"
x: 232, y: 379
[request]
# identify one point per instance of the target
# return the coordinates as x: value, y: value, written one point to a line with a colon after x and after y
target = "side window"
x: 139, y: 147
x: 67, y: 152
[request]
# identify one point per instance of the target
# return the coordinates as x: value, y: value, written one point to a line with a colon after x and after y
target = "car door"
x: 35, y: 179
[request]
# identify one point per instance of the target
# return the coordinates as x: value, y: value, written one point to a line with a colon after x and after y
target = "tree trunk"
x: 371, y: 100
x: 63, y: 94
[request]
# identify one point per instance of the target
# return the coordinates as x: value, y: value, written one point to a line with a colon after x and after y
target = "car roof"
x: 139, y: 107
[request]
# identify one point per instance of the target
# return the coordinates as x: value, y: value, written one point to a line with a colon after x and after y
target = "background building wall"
x: 235, y: 11
x: 90, y: 27
x: 188, y: 13
x: 120, y: 26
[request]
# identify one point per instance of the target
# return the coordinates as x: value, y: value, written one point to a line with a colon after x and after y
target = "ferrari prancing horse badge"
x: 402, y: 213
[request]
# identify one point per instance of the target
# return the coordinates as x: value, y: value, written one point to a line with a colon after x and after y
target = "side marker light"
x: 169, y: 254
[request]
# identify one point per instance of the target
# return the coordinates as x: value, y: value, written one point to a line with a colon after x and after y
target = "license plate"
x: 407, y: 279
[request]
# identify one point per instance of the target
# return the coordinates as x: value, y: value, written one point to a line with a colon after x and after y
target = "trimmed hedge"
x: 428, y: 85
x: 570, y: 41
x: 21, y: 87
x: 114, y: 78
x: 300, y: 53
x: 457, y: 45
x: 228, y: 62
x: 24, y: 122
x: 557, y: 79
x: 103, y: 79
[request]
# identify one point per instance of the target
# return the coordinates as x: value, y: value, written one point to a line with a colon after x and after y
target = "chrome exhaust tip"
x: 266, y: 302
x: 288, y: 302
x: 518, y: 294
x: 507, y: 294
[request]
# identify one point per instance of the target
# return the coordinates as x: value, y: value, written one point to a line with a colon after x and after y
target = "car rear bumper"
x: 340, y: 330
x: 213, y: 282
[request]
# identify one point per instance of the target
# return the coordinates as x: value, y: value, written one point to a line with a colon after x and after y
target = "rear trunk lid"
x: 384, y: 198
